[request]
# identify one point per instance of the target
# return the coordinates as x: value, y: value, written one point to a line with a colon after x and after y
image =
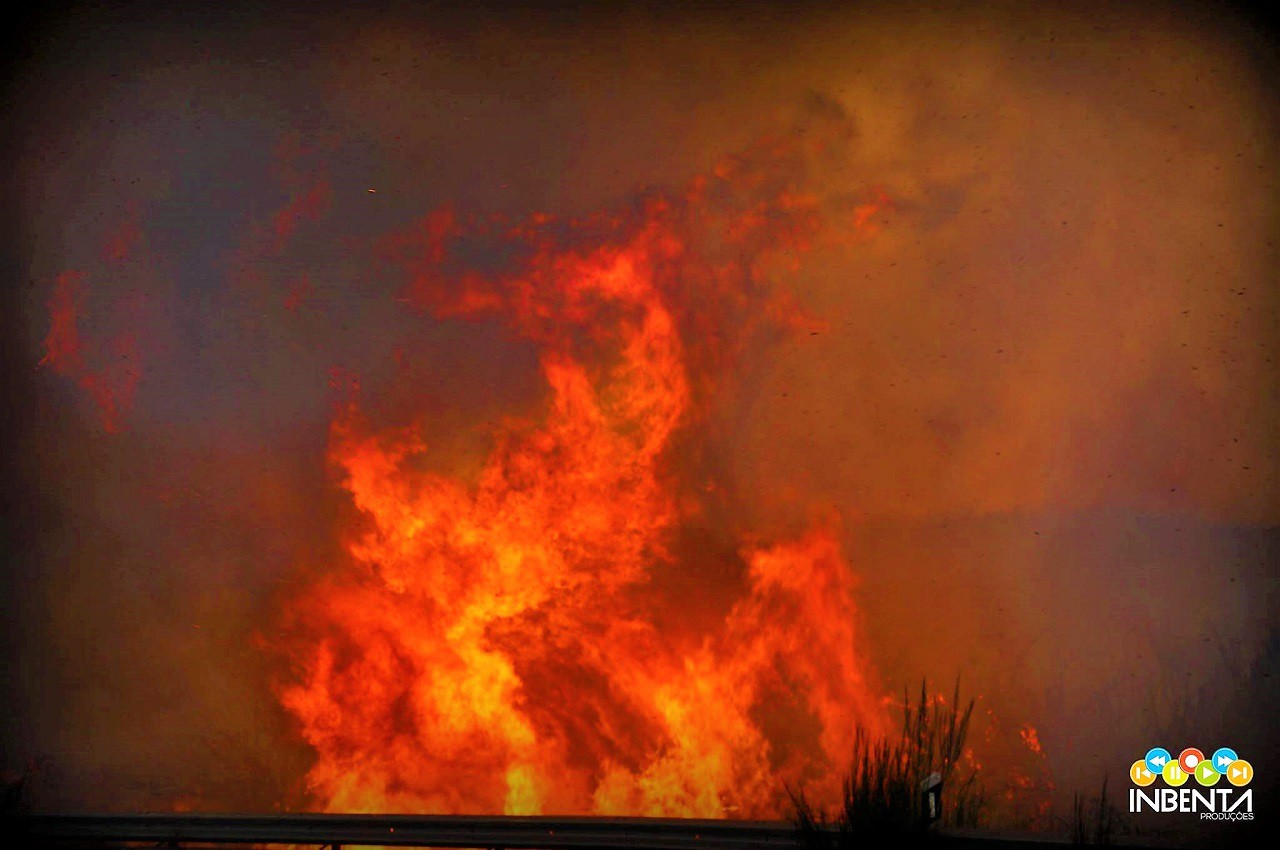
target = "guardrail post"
x: 931, y: 798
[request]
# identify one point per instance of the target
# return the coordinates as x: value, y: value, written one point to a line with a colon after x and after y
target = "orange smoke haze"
x: 474, y: 411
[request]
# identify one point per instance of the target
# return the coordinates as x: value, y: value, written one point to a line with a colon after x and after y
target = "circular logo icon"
x: 1222, y: 757
x: 1239, y: 772
x: 1140, y: 773
x: 1189, y: 758
x: 1205, y: 774
x: 1174, y: 774
x: 1157, y: 758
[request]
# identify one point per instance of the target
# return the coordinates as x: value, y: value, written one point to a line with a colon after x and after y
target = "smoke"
x: 1039, y: 387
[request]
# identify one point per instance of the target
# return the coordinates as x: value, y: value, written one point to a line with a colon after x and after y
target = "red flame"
x: 490, y: 647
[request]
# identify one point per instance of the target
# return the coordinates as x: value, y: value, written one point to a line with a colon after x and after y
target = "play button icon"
x: 1205, y: 774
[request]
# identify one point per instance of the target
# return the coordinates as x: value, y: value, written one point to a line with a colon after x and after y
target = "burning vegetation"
x: 345, y: 481
x: 491, y: 645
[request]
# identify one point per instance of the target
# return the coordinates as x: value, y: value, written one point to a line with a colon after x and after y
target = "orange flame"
x: 490, y: 648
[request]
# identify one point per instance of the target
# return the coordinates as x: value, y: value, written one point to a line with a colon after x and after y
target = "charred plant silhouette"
x: 1093, y: 819
x: 882, y: 792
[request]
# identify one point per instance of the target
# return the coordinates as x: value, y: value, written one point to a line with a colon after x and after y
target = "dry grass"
x: 1093, y: 819
x: 882, y: 795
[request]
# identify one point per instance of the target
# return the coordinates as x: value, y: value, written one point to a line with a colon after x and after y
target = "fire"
x: 490, y: 647
x: 1031, y: 738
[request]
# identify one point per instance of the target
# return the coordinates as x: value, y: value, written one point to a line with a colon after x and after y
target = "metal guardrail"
x: 499, y: 833
x: 454, y: 831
